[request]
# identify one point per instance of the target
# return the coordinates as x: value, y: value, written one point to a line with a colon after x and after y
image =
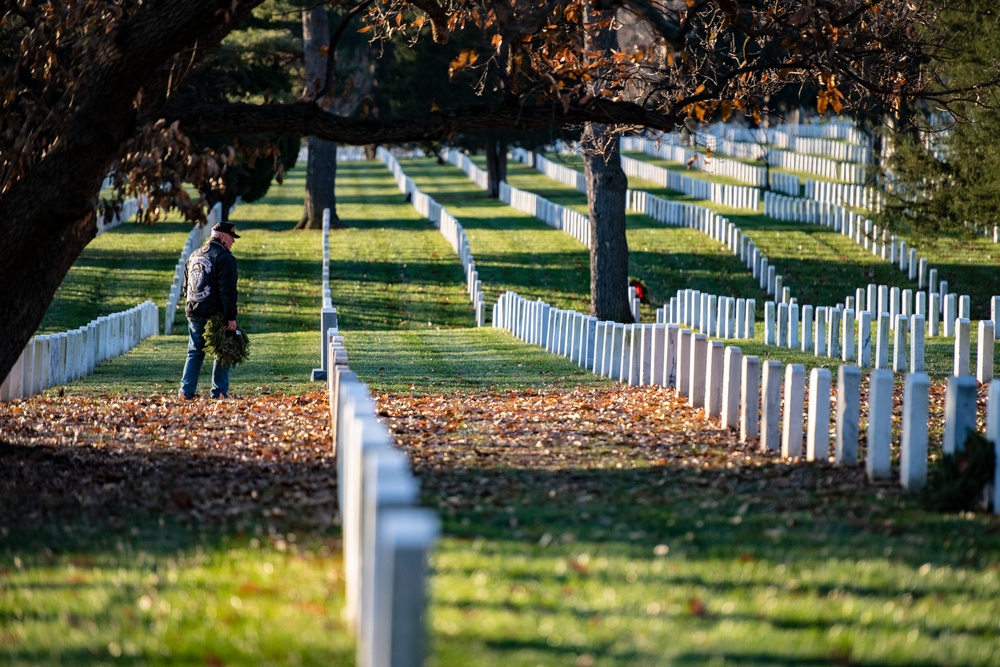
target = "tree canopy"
x: 940, y: 174
x: 88, y: 86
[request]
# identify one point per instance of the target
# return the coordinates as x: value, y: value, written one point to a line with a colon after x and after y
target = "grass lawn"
x: 584, y: 523
x: 119, y: 269
x: 665, y: 258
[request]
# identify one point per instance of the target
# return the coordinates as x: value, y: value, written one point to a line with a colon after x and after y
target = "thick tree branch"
x: 307, y: 119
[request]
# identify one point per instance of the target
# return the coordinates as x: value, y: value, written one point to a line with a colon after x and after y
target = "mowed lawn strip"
x: 118, y: 270
x: 513, y: 250
x: 821, y: 266
x: 401, y: 300
x: 664, y: 258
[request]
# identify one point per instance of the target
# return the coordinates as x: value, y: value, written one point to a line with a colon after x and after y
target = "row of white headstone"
x: 746, y: 396
x: 991, y: 232
x: 387, y: 538
x: 459, y: 159
x: 717, y: 166
x: 554, y: 215
x: 52, y: 360
x: 714, y: 315
x: 859, y: 229
x: 344, y: 153
x: 845, y: 194
x: 196, y: 238
x: 830, y: 148
x: 720, y: 229
x: 780, y: 135
x: 733, y: 196
x: 449, y: 227
x: 128, y: 209
x: 673, y: 213
x: 940, y: 311
x: 736, y: 196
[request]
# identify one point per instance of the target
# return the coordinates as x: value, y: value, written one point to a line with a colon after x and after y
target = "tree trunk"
x: 321, y: 167
x: 496, y: 163
x: 321, y: 177
x: 606, y: 185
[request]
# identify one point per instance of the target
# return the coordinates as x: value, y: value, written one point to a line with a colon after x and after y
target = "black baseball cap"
x: 226, y: 228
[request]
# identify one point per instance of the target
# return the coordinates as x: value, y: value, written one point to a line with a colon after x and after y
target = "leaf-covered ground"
x: 216, y: 462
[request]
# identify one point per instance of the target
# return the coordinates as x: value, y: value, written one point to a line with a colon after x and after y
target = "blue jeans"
x: 195, y: 358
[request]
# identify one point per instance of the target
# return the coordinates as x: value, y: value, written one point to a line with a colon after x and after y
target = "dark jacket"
x: 210, y: 282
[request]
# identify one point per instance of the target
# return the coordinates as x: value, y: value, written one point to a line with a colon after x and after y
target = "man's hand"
x: 231, y: 326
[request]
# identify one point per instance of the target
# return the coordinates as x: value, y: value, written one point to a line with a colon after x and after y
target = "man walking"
x: 210, y: 288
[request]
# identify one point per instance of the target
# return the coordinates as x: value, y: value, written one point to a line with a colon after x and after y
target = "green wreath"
x: 955, y: 482
x: 231, y: 348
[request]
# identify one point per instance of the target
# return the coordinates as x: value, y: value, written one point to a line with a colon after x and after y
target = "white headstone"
x: 781, y: 325
x: 654, y: 372
x: 684, y: 362
x: 821, y: 331
x: 984, y: 356
x: 864, y: 338
x: 771, y: 406
x: 698, y: 366
x: 750, y: 399
x: 959, y: 412
x: 793, y: 326
x: 741, y: 314
x: 950, y: 312
x: 713, y: 379
x: 899, y: 345
x: 769, y: 323
x: 877, y: 463
x: 732, y: 364
x: 807, y: 331
x: 818, y: 434
x: 847, y: 336
x: 965, y: 306
x: 913, y: 448
x: 963, y: 343
x: 848, y: 415
x: 882, y: 342
x: 631, y: 355
x: 895, y: 307
x: 833, y: 335
x: 917, y: 343
x: 795, y: 396
x: 670, y: 356
x: 401, y: 596
x: 934, y: 311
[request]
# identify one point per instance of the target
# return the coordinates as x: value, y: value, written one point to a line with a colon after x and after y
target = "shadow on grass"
x: 92, y: 534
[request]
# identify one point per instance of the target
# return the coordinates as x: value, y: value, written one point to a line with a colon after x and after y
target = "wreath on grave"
x: 640, y: 289
x: 955, y: 482
x: 231, y: 348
